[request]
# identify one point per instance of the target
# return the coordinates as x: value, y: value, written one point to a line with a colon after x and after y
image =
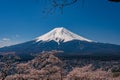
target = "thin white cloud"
x: 9, y: 41
x: 6, y: 39
x: 5, y: 42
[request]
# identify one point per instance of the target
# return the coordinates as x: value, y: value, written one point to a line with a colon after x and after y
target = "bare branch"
x: 114, y: 0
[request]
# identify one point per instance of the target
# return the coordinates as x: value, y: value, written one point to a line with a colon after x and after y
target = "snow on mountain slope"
x: 61, y: 34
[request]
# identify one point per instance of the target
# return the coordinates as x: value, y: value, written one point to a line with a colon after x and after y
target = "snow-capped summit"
x: 61, y: 34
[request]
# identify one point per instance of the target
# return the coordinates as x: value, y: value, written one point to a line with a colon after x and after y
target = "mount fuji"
x: 61, y: 39
x: 61, y: 35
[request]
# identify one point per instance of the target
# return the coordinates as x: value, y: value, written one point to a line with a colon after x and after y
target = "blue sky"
x: 24, y: 20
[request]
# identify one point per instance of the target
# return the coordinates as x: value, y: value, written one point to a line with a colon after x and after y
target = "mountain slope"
x: 63, y: 40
